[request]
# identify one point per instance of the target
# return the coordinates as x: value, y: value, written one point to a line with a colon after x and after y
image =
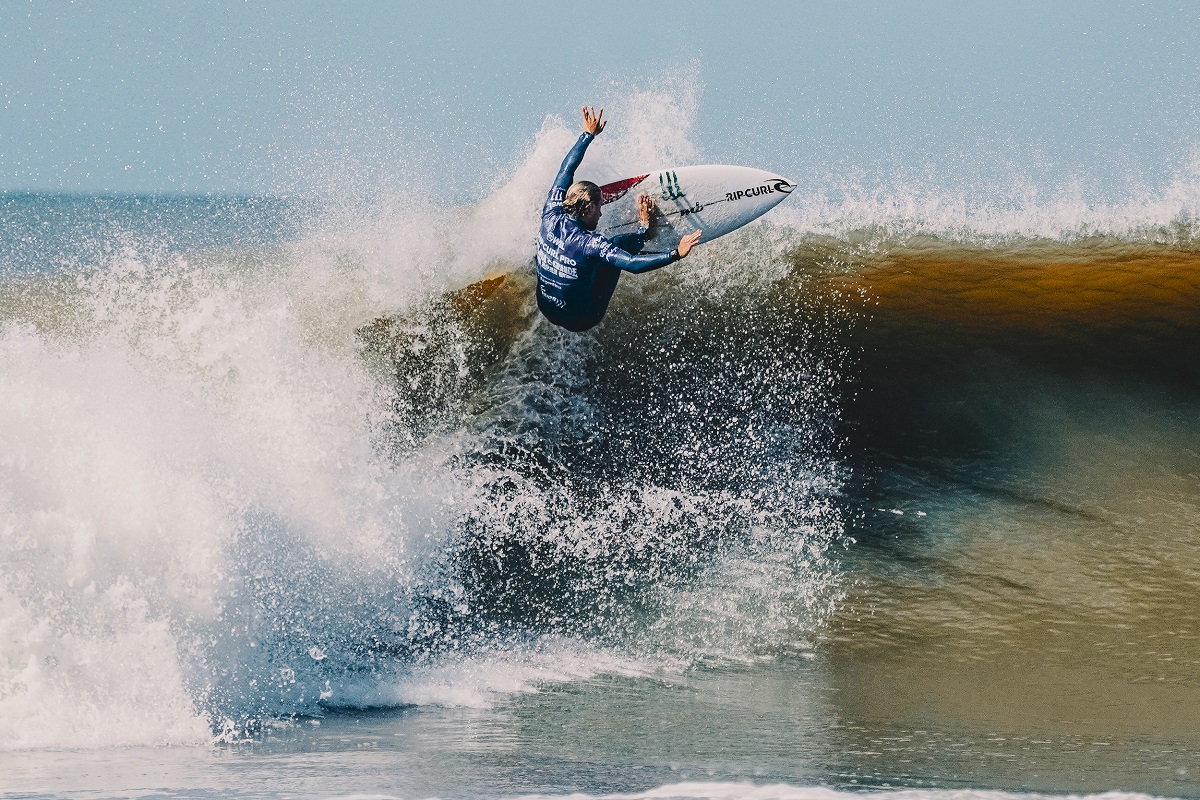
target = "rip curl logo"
x: 669, y: 183
x: 777, y: 185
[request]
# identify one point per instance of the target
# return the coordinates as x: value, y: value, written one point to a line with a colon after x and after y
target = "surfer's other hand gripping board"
x: 578, y: 268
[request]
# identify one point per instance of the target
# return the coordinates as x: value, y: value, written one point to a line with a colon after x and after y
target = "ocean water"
x: 895, y: 493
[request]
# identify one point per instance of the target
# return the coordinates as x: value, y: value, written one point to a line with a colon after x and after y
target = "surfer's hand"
x: 593, y: 123
x: 688, y: 242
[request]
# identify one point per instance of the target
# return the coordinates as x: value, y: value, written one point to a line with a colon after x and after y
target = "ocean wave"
x: 243, y: 483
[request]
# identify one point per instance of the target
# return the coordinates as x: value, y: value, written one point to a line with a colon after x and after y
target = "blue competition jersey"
x: 571, y: 260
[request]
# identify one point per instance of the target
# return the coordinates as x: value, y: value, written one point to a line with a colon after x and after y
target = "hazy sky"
x: 234, y: 96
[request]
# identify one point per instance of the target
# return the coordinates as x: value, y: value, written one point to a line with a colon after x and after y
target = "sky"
x: 226, y: 96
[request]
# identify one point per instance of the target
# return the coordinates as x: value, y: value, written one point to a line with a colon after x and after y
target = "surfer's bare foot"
x: 647, y: 214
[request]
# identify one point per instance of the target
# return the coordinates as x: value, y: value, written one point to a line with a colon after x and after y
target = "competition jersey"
x: 569, y: 256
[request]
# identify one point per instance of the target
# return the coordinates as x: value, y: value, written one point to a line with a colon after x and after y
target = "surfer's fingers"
x: 591, y: 119
x: 687, y: 243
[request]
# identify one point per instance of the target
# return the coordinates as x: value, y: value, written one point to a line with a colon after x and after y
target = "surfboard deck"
x: 715, y: 198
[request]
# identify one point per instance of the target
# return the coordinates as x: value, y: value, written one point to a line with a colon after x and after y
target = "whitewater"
x: 285, y: 509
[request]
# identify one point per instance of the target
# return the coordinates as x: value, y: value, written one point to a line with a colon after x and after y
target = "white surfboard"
x: 715, y: 198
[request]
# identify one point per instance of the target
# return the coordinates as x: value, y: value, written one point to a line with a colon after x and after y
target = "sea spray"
x: 209, y: 523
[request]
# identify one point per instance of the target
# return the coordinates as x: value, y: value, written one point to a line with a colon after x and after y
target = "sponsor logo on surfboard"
x: 669, y: 183
x: 770, y: 187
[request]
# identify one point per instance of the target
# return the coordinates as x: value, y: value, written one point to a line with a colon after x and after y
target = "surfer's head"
x: 583, y: 202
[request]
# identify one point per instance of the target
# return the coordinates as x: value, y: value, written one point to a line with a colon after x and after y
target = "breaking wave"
x: 331, y: 466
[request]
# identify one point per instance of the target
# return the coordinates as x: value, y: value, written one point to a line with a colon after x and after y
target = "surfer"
x: 577, y: 268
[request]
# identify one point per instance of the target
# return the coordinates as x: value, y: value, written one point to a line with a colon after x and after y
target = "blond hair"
x: 580, y: 195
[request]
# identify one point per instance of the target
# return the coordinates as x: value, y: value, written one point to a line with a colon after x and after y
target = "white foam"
x: 191, y: 406
x: 1020, y: 208
x: 481, y: 680
x: 131, y: 458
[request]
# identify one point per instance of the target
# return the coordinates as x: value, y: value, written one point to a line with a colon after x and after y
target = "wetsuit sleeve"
x: 609, y: 253
x: 566, y: 173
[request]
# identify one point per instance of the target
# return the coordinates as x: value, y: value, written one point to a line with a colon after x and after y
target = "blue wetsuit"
x: 578, y: 269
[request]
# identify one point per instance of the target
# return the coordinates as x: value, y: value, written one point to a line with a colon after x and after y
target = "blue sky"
x: 235, y: 96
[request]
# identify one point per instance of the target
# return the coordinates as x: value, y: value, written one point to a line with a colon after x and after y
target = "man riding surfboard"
x: 577, y: 268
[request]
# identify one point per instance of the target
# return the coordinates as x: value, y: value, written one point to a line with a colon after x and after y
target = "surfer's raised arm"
x: 593, y: 124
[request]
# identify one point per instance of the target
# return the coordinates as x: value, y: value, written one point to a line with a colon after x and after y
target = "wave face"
x: 251, y: 477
